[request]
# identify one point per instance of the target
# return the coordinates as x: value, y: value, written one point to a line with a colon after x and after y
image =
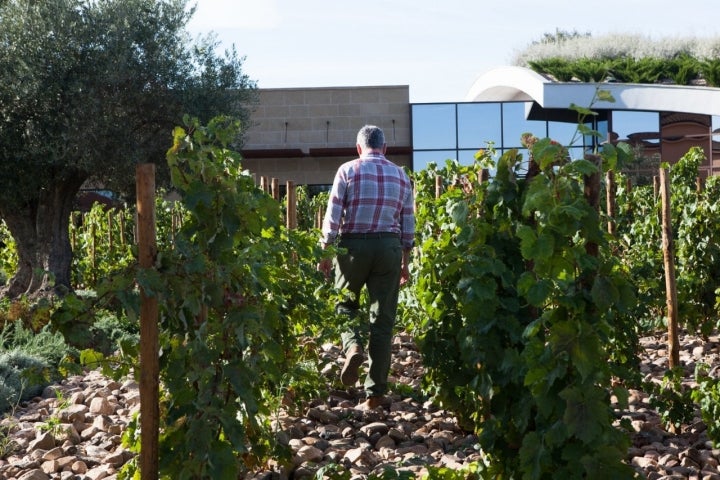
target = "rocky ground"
x: 73, y: 431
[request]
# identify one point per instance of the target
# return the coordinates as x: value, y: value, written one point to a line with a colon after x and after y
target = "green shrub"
x: 22, y: 376
x: 707, y: 396
x: 48, y: 345
x: 109, y: 331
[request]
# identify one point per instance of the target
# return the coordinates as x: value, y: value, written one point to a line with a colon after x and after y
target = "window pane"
x: 515, y: 124
x: 466, y: 157
x: 576, y: 153
x: 422, y: 159
x: 433, y: 126
x: 636, y: 125
x: 478, y: 123
x: 564, y: 133
x: 602, y: 128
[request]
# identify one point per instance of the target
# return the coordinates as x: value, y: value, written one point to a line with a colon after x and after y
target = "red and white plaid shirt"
x: 370, y: 194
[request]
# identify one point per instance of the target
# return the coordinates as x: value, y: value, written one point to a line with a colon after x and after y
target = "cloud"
x: 232, y: 14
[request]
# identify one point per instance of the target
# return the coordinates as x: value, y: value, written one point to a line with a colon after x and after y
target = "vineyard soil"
x: 410, y: 435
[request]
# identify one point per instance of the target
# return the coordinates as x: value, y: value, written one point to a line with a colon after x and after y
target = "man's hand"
x: 325, y: 266
x: 404, y: 274
x: 405, y: 267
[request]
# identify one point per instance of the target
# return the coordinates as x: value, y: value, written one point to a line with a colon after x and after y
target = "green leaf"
x: 585, y: 414
x: 584, y: 167
x: 604, y: 292
x: 222, y: 462
x: 537, y: 295
x: 91, y: 358
x: 605, y: 96
x: 534, y: 458
x: 458, y: 211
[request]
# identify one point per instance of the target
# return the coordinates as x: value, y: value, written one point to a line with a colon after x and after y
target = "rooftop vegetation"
x: 624, y: 58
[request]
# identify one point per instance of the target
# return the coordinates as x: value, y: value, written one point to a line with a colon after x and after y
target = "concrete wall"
x: 304, y: 134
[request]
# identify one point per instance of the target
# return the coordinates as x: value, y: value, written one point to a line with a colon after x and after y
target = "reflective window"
x: 577, y: 152
x: 515, y: 124
x: 602, y: 128
x: 467, y: 157
x: 636, y: 125
x: 478, y: 124
x: 421, y: 159
x: 565, y: 133
x: 456, y: 131
x: 433, y: 126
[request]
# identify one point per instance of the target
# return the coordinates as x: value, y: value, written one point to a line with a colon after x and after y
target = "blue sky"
x: 437, y: 47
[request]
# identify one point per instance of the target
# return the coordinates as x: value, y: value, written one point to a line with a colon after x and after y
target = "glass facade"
x: 442, y: 131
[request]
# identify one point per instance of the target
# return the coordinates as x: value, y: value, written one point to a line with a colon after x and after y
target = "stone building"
x: 303, y: 134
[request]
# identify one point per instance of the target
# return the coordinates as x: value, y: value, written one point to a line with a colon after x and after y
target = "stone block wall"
x: 304, y: 134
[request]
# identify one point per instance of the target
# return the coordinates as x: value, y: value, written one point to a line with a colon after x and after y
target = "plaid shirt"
x: 370, y: 194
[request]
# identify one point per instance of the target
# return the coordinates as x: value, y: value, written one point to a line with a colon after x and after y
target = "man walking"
x: 370, y: 214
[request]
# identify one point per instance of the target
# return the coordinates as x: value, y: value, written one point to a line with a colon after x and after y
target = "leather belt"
x: 368, y: 235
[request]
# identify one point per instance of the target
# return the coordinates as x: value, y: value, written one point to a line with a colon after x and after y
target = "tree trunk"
x: 40, y: 231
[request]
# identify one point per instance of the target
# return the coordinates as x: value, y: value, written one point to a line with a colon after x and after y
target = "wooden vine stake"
x: 149, y: 347
x: 610, y: 192
x: 291, y: 205
x: 275, y: 189
x: 669, y: 262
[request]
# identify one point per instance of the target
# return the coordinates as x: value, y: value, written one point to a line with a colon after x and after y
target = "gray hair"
x: 371, y: 136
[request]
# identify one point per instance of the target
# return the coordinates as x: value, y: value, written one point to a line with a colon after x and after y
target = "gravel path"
x: 408, y: 435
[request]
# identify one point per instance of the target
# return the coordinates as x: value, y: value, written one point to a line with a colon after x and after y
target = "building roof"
x: 523, y: 84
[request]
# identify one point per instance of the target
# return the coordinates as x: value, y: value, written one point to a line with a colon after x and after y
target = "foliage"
x: 522, y: 304
x: 28, y: 361
x: 696, y: 241
x: 8, y: 445
x: 86, y: 89
x: 671, y: 399
x: 22, y: 376
x: 707, y: 396
x: 310, y: 208
x: 8, y: 254
x: 45, y: 344
x: 625, y: 58
x: 239, y: 298
x: 110, y: 332
x: 105, y: 239
x: 560, y: 36
x: 681, y: 70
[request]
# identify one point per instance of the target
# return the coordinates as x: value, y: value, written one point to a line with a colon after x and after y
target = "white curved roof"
x: 523, y: 84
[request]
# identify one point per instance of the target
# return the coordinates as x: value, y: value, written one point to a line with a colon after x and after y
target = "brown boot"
x: 374, y: 401
x: 353, y: 359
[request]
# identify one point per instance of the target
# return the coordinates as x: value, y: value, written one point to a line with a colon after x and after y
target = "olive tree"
x: 88, y: 89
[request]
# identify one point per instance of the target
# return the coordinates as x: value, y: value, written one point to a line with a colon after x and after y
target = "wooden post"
x: 149, y: 346
x: 264, y: 184
x: 291, y: 205
x: 319, y: 217
x: 110, y: 214
x: 73, y: 233
x: 669, y: 262
x: 438, y: 186
x: 122, y: 228
x: 610, y: 191
x: 275, y: 189
x: 656, y: 186
x: 93, y: 250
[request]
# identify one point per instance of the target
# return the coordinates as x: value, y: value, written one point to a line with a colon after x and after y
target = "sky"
x: 436, y: 47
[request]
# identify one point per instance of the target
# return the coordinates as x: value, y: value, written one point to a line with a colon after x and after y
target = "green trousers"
x: 373, y: 263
